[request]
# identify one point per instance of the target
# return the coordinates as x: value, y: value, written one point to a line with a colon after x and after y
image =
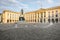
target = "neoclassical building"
x: 10, y: 16
x: 43, y: 15
x: 0, y: 17
x: 47, y: 15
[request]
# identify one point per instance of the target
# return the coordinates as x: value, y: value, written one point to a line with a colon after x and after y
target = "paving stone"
x: 30, y: 31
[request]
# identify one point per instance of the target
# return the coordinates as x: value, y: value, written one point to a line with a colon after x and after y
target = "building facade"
x: 39, y: 16
x: 44, y: 15
x: 10, y: 16
x: 53, y: 14
x: 0, y: 17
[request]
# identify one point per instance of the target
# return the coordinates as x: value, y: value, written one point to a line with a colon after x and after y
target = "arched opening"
x: 56, y: 15
x: 41, y: 20
x: 49, y: 20
x: 56, y: 20
x: 35, y: 20
x: 7, y: 21
x: 53, y: 20
x: 44, y: 20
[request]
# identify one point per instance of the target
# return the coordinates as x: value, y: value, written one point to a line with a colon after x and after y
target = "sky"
x: 27, y: 5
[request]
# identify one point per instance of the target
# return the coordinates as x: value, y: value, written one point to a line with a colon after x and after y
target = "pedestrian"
x: 15, y: 25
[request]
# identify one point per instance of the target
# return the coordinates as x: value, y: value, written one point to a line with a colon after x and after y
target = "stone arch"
x: 56, y: 20
x: 49, y: 20
x: 44, y: 20
x: 41, y: 20
x: 53, y: 20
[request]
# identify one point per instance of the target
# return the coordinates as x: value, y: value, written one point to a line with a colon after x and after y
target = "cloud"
x: 2, y: 8
x: 18, y: 4
x: 36, y: 2
x: 14, y: 1
x: 26, y: 0
x: 50, y: 1
x: 27, y: 5
x: 12, y: 4
x: 58, y: 3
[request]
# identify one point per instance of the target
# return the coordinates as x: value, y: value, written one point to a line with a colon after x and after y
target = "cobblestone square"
x: 30, y: 31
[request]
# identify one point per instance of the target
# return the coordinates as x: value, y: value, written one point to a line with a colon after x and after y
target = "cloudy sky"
x: 27, y: 5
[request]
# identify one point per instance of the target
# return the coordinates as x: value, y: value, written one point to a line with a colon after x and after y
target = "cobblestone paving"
x: 29, y: 32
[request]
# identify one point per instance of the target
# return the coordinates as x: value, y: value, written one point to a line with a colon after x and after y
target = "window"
x: 35, y: 20
x: 56, y: 13
x: 41, y: 15
x: 44, y: 14
x: 38, y: 15
x: 52, y: 13
x: 38, y: 19
x: 48, y: 14
x: 10, y: 20
x: 8, y: 14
